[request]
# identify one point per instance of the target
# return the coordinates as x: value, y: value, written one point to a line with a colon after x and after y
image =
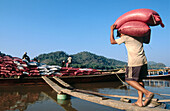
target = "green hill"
x: 82, y: 59
x: 87, y: 60
x: 154, y: 65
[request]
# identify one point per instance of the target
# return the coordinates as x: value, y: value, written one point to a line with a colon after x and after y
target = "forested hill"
x: 82, y: 59
x: 88, y: 60
x: 154, y: 65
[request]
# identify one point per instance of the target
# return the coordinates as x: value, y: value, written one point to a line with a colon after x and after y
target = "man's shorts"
x: 136, y: 73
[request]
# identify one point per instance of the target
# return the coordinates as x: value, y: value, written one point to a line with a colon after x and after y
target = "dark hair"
x: 118, y: 34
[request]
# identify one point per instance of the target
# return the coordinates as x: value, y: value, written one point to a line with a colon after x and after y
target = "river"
x: 43, y: 98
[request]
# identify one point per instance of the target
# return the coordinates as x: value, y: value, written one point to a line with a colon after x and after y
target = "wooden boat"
x: 167, y: 76
x: 68, y: 79
x: 159, y: 73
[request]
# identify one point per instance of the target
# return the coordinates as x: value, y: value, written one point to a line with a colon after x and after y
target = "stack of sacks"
x: 33, y: 66
x: 53, y: 70
x: 21, y: 65
x: 136, y: 22
x: 86, y: 71
x: 48, y: 70
x: 70, y: 71
x: 8, y: 67
x: 14, y: 66
x: 42, y: 69
x: 38, y: 69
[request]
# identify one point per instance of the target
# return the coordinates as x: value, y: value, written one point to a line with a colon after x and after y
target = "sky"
x: 73, y: 26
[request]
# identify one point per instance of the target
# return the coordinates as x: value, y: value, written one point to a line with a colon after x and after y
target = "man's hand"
x: 112, y: 40
x: 113, y: 27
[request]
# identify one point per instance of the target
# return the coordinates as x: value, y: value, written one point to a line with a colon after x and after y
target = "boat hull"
x: 68, y: 79
x: 159, y: 77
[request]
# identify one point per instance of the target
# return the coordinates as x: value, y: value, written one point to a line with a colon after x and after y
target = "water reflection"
x: 40, y: 98
x: 19, y: 97
x: 157, y: 83
x: 23, y: 98
x: 65, y: 104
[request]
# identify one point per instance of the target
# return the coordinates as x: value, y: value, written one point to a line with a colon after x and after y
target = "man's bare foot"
x: 148, y: 98
x: 137, y: 104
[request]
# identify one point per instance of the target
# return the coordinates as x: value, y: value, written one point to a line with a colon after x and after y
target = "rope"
x: 128, y: 85
x: 122, y: 81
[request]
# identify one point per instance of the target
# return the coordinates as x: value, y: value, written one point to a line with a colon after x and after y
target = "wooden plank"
x: 52, y: 84
x: 110, y: 102
x: 99, y: 100
x: 101, y: 94
x: 63, y: 83
x: 92, y: 92
x: 165, y: 100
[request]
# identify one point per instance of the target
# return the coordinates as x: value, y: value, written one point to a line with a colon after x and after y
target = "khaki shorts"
x: 137, y: 73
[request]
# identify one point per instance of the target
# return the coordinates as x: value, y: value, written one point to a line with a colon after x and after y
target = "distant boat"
x: 159, y: 73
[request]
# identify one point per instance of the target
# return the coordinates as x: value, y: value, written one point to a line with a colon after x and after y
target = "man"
x: 26, y: 57
x: 63, y: 63
x: 137, y: 64
x: 68, y: 61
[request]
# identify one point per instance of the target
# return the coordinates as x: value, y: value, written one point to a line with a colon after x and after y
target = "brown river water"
x: 44, y: 98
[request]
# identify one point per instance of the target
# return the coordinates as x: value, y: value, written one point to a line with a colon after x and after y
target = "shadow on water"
x: 99, y: 85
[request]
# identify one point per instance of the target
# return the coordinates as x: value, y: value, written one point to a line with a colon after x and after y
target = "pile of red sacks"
x: 136, y: 22
x: 78, y: 71
x: 8, y: 67
x: 14, y: 66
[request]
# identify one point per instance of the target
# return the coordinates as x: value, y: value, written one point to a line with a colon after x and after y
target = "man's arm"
x: 146, y: 39
x: 112, y: 39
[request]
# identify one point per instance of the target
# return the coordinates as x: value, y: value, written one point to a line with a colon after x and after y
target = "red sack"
x: 7, y: 58
x: 147, y: 16
x: 34, y: 71
x: 135, y: 28
x: 8, y: 62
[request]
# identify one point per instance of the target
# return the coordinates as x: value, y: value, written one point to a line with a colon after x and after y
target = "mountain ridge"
x: 89, y: 60
x: 86, y: 59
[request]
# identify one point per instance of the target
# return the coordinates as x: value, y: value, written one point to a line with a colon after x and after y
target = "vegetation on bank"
x: 87, y: 60
x: 82, y: 60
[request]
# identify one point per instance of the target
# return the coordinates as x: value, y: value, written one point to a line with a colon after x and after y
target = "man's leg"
x: 141, y: 90
x: 140, y: 96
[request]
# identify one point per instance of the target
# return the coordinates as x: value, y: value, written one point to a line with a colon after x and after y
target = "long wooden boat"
x: 105, y: 76
x: 158, y: 74
x: 165, y: 76
x: 68, y: 79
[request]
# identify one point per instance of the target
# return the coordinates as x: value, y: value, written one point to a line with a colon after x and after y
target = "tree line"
x: 88, y: 60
